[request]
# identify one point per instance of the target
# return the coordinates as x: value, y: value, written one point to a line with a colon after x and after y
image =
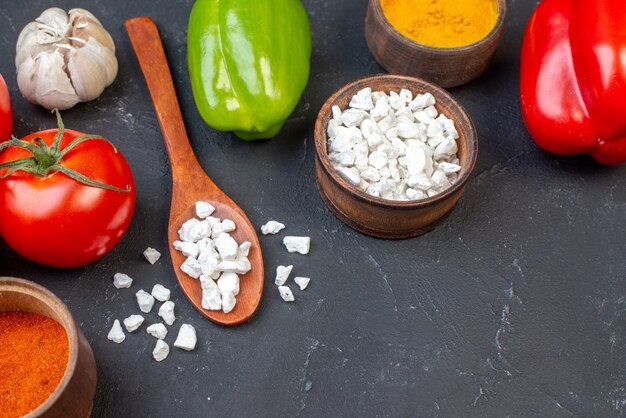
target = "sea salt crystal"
x: 166, y: 311
x: 185, y: 231
x: 161, y: 350
x: 186, y: 338
x: 160, y: 293
x: 116, y: 334
x: 191, y: 267
x: 228, y: 283
x: 300, y: 245
x: 302, y: 282
x: 228, y: 225
x: 189, y: 249
x: 133, y: 322
x: 122, y: 281
x: 286, y: 294
x: 211, y: 295
x: 282, y: 274
x: 157, y: 330
x: 145, y: 301
x: 204, y: 209
x: 226, y: 247
x: 272, y: 227
x: 228, y: 302
x: 151, y: 255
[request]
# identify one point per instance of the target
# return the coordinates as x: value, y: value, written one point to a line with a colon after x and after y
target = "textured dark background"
x: 516, y: 306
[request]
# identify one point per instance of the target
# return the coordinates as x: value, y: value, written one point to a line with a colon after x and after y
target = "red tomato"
x: 58, y: 221
x: 6, y: 117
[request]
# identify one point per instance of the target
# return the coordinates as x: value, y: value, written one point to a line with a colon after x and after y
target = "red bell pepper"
x: 6, y: 117
x: 573, y: 78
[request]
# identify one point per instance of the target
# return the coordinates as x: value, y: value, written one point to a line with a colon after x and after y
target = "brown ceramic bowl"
x: 446, y: 67
x: 388, y: 218
x: 73, y: 397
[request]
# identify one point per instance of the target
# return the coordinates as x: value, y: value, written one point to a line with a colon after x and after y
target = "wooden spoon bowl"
x: 446, y: 67
x: 380, y: 217
x: 189, y: 181
x: 73, y: 397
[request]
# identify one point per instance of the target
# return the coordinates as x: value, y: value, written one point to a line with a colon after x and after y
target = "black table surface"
x: 516, y: 306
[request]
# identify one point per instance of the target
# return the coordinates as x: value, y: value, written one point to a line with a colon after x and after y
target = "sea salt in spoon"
x: 190, y: 182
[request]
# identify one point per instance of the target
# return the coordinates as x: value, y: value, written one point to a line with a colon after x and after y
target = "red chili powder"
x: 33, y: 358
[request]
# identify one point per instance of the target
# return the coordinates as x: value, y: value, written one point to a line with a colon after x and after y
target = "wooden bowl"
x: 388, y: 218
x: 446, y: 67
x: 73, y: 397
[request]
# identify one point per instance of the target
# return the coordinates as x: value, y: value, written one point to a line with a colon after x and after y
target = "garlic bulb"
x: 64, y: 58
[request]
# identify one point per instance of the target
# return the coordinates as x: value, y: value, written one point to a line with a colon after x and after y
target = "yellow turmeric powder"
x: 442, y: 23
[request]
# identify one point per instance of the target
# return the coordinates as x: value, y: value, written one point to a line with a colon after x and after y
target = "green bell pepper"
x: 249, y: 63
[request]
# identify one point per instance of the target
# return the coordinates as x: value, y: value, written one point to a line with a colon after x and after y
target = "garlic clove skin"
x: 86, y: 25
x: 91, y: 68
x: 44, y: 81
x: 63, y: 59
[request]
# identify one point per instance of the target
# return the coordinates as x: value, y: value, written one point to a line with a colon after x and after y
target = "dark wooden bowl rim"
x: 401, y: 82
x: 72, y: 336
x: 491, y: 35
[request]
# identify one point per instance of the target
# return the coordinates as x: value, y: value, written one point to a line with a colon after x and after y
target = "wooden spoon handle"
x: 144, y: 36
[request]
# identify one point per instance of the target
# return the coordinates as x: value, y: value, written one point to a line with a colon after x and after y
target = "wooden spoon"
x: 189, y: 181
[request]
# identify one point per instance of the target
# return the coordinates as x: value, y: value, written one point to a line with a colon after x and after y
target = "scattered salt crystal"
x: 121, y: 280
x: 186, y: 338
x: 161, y: 350
x: 151, y: 255
x: 145, y: 301
x: 133, y: 322
x: 160, y: 293
x: 166, y: 311
x: 303, y: 282
x: 157, y: 330
x: 282, y: 274
x: 300, y: 245
x: 272, y: 227
x: 286, y: 294
x: 116, y: 334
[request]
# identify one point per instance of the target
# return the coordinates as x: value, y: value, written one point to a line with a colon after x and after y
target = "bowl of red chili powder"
x: 47, y: 366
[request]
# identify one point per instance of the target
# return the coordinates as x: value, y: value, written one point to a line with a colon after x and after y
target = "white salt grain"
x: 302, y: 282
x: 145, y: 301
x: 300, y: 245
x: 228, y: 302
x: 285, y: 293
x: 151, y: 255
x: 272, y: 227
x: 161, y: 350
x: 122, y: 281
x: 282, y: 274
x: 166, y: 311
x: 116, y: 334
x: 204, y: 209
x: 133, y: 322
x: 157, y: 330
x: 160, y: 293
x: 186, y: 338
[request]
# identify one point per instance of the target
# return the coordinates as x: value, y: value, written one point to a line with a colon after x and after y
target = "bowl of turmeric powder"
x: 445, y: 42
x: 48, y: 368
